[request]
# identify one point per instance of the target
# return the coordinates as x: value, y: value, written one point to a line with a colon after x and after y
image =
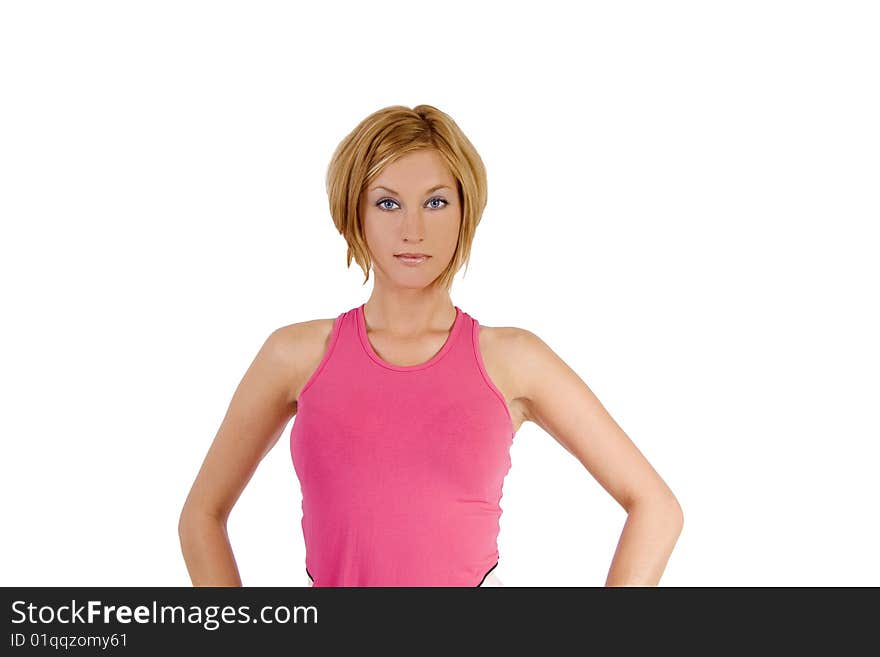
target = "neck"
x: 409, y: 312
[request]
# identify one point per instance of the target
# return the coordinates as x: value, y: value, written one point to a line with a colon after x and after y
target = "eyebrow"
x: 433, y: 189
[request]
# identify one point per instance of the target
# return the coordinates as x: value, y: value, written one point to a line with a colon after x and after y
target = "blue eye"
x: 434, y: 207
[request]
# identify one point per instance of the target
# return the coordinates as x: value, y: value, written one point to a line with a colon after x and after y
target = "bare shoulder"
x: 301, y: 346
x: 519, y: 359
x: 501, y: 338
x: 505, y: 341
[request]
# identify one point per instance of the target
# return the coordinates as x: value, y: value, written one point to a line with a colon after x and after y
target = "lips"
x: 412, y: 260
x: 411, y: 255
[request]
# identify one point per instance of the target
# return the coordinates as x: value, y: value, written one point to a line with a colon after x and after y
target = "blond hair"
x: 383, y: 137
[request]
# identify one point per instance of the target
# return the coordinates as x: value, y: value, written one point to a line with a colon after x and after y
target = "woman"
x: 406, y: 406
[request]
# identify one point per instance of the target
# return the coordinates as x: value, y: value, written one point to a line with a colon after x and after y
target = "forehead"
x: 418, y: 170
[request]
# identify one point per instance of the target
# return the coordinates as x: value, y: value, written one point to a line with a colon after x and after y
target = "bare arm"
x: 563, y: 405
x: 261, y: 407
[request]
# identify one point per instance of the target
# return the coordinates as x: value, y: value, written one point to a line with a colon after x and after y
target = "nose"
x: 412, y: 228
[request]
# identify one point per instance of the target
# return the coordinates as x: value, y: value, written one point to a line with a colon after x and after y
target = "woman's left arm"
x: 557, y: 399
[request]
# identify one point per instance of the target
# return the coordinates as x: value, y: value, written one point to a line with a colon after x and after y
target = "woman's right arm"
x: 261, y: 407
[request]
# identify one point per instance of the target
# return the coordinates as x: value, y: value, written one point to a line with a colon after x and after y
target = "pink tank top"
x: 401, y: 467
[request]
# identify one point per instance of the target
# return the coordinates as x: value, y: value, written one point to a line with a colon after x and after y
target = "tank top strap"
x: 335, y: 344
x: 461, y: 356
x: 474, y: 354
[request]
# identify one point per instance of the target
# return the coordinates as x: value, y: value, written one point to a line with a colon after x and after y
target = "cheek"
x: 380, y: 242
x: 371, y: 229
x: 452, y: 228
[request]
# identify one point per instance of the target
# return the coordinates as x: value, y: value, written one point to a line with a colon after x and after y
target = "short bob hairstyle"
x: 383, y: 137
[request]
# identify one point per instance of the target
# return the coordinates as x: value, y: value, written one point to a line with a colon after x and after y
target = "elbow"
x: 674, y: 514
x: 670, y: 507
x: 664, y: 505
x: 184, y: 524
x: 185, y: 518
x: 197, y: 509
x: 191, y: 518
x: 673, y: 507
x: 677, y: 514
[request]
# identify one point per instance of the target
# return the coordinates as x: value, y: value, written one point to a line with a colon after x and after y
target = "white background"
x: 683, y: 199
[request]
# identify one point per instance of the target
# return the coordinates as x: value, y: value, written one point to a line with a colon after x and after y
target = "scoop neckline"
x: 368, y: 348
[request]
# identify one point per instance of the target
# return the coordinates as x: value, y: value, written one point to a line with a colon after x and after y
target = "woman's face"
x: 412, y: 207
